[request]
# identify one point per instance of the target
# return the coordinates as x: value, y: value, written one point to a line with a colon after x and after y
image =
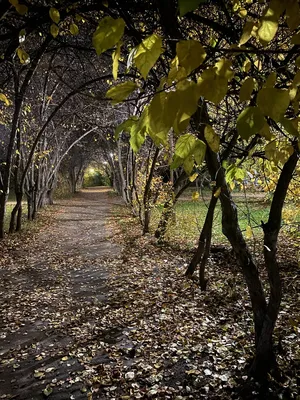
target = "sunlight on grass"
x: 186, y: 225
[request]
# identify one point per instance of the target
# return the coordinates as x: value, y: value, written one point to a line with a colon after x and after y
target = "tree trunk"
x: 147, y: 194
x: 203, y: 250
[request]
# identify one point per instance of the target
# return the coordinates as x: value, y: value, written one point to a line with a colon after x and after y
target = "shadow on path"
x: 51, y: 300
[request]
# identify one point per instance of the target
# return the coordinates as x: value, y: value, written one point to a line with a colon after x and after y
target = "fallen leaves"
x: 140, y: 331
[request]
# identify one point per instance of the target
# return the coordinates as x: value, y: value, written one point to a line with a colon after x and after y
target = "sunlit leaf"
x: 218, y: 192
x: 4, y: 99
x: 195, y: 196
x: 190, y: 54
x: 249, y: 233
x: 120, y: 92
x: 213, y: 140
x: 147, y: 53
x: 269, y: 22
x: 115, y: 57
x: 212, y: 86
x: 246, y: 35
x: 108, y: 34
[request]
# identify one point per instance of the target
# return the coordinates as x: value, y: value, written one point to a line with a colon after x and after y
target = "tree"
x: 270, y: 115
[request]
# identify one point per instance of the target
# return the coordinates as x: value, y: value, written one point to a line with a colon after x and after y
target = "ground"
x: 90, y: 309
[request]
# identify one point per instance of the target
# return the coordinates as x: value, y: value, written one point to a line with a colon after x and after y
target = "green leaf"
x: 108, y: 34
x: 273, y: 102
x: 120, y: 92
x: 74, y: 29
x: 186, y: 6
x: 147, y: 53
x: 190, y: 54
x: 125, y: 126
x: 115, y: 57
x: 250, y: 122
x: 54, y: 30
x: 212, y: 86
x: 213, y: 140
x: 54, y: 15
x: 247, y: 89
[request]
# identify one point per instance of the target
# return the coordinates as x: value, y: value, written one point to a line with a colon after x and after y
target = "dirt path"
x: 50, y: 297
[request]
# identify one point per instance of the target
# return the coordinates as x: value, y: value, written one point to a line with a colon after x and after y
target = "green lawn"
x: 189, y: 217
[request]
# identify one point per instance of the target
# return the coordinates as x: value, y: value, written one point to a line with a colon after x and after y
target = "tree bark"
x: 203, y: 250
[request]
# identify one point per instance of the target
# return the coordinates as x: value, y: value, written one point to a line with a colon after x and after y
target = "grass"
x: 185, y: 227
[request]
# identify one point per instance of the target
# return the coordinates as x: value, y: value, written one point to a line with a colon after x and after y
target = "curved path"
x: 51, y: 296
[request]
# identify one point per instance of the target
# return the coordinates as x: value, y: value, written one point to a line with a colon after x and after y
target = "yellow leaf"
x: 269, y: 22
x: 246, y: 35
x: 249, y: 233
x: 247, y: 66
x: 195, y: 196
x: 213, y: 140
x: 14, y: 2
x: 115, y: 58
x: 147, y: 53
x: 193, y: 177
x: 54, y: 15
x: 190, y: 54
x: 217, y: 192
x: 212, y: 86
x: 247, y: 89
x: 4, y: 99
x: 23, y: 56
x: 273, y: 102
x: 183, y: 104
x: 74, y: 29
x: 120, y: 92
x: 108, y: 34
x: 21, y: 9
x: 162, y: 114
x: 54, y: 30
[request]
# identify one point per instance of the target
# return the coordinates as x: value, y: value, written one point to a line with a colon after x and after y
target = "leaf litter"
x: 131, y: 326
